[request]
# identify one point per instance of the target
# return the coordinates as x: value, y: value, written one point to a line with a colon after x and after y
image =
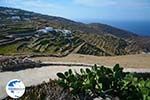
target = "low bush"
x: 105, y: 83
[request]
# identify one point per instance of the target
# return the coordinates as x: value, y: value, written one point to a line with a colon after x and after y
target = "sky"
x: 87, y: 10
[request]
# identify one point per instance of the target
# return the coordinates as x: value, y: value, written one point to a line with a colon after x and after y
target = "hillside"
x: 24, y: 32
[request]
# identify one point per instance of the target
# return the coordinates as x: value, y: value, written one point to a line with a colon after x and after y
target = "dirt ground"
x: 127, y: 61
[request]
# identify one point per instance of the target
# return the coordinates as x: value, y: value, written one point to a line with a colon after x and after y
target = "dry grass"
x: 132, y: 61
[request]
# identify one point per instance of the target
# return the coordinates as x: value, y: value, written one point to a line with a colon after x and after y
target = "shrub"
x: 105, y: 83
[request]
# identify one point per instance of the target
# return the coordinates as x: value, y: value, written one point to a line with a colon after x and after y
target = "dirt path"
x: 31, y: 76
x: 77, y: 49
x: 38, y: 75
x: 127, y: 61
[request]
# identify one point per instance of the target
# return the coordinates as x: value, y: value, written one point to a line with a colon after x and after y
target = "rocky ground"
x: 17, y: 63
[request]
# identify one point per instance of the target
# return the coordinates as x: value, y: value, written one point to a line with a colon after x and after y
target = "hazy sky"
x: 86, y: 9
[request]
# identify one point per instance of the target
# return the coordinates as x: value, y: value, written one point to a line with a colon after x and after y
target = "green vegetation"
x: 56, y: 43
x: 103, y: 45
x: 92, y: 50
x: 92, y: 83
x: 100, y: 39
x: 50, y: 44
x: 9, y: 49
x: 47, y: 44
x: 105, y: 83
x: 20, y: 30
x: 46, y: 91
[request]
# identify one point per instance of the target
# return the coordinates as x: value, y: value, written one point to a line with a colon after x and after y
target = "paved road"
x: 38, y: 75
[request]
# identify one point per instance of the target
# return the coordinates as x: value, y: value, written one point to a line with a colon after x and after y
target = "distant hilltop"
x: 24, y: 32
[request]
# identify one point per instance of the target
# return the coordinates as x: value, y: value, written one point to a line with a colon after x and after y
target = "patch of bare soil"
x: 126, y: 61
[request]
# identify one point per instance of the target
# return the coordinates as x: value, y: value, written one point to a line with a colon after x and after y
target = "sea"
x: 141, y: 28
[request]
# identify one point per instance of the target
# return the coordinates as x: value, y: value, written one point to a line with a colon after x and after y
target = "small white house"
x: 26, y: 19
x: 46, y: 30
x: 66, y: 31
x: 15, y: 18
x: 42, y: 30
x: 49, y: 29
x: 10, y: 36
x: 58, y: 30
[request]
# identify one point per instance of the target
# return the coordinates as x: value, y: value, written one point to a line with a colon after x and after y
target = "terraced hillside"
x: 20, y: 34
x: 46, y: 44
x: 57, y: 44
x: 106, y: 45
x: 50, y: 44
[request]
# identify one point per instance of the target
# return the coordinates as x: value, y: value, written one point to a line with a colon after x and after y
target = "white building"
x: 66, y: 31
x: 26, y: 19
x: 49, y: 29
x: 15, y: 18
x: 46, y: 30
x: 58, y: 30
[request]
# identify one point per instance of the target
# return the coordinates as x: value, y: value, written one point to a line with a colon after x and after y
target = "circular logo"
x: 15, y: 88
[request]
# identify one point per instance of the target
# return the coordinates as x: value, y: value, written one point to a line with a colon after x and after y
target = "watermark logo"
x: 15, y: 88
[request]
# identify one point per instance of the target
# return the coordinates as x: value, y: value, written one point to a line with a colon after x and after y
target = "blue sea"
x: 139, y: 27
